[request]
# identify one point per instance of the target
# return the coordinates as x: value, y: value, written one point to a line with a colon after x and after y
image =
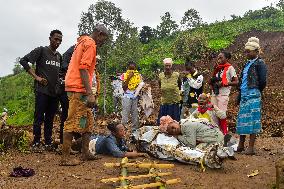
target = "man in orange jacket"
x: 78, y: 84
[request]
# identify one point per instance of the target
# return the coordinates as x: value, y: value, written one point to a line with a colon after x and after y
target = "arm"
x: 125, y: 83
x: 219, y: 113
x: 85, y: 64
x: 234, y: 81
x: 262, y: 73
x: 116, y: 152
x: 189, y: 136
x: 91, y: 100
x: 33, y: 57
x: 195, y: 114
x: 179, y: 82
x: 195, y: 83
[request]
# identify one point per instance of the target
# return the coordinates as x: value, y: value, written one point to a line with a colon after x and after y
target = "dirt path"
x: 88, y: 175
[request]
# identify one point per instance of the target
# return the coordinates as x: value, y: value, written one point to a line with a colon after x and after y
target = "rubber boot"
x: 224, y: 126
x: 66, y: 160
x: 86, y: 155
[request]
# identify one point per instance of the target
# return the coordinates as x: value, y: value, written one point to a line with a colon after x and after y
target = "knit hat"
x: 252, y: 44
x: 168, y: 61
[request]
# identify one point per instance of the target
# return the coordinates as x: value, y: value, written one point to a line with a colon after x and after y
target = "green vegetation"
x: 23, y: 142
x: 194, y: 40
x: 17, y: 96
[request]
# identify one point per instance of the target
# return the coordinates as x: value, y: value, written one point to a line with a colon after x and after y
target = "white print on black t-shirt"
x: 53, y: 63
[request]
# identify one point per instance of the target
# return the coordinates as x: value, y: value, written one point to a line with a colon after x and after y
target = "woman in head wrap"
x: 170, y: 84
x: 252, y: 83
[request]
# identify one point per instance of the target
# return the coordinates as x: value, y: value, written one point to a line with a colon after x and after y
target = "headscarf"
x: 164, y: 122
x: 168, y: 61
x: 206, y: 100
x: 252, y: 44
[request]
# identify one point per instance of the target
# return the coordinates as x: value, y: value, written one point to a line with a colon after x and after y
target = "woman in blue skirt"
x: 253, y: 81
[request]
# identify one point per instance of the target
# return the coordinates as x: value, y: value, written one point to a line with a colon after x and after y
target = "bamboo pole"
x: 135, y: 177
x: 152, y: 185
x: 141, y: 165
x: 123, y: 182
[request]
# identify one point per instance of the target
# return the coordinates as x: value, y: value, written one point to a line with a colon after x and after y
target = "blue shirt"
x: 110, y: 146
x: 244, y: 85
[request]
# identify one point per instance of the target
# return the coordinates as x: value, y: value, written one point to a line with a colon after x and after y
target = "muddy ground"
x: 234, y: 173
x: 48, y: 174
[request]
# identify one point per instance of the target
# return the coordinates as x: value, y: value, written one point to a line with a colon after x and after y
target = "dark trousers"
x: 45, y: 109
x: 64, y: 102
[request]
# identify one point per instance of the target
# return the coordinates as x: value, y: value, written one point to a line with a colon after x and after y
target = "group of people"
x: 73, y: 80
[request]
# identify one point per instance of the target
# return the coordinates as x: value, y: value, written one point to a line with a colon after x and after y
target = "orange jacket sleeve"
x: 88, y: 56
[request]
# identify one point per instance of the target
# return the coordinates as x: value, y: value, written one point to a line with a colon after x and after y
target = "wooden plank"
x: 123, y: 182
x: 135, y: 177
x: 141, y: 165
x: 152, y: 185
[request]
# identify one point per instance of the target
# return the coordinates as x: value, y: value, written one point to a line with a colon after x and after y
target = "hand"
x: 131, y: 74
x: 91, y: 100
x: 41, y: 80
x: 219, y: 83
x: 144, y: 155
x: 210, y: 105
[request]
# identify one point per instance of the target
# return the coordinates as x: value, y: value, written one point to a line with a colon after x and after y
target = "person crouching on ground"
x: 78, y: 83
x: 192, y: 133
x: 113, y: 144
x: 131, y: 80
x: 208, y: 111
x: 253, y: 81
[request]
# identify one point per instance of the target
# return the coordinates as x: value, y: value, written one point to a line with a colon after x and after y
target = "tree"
x: 280, y: 5
x: 188, y: 46
x: 17, y: 68
x: 265, y: 12
x: 146, y: 34
x: 235, y: 17
x: 167, y: 26
x: 126, y: 48
x: 123, y: 44
x: 104, y: 12
x: 191, y: 19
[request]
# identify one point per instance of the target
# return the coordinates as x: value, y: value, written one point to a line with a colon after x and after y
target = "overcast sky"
x: 26, y: 24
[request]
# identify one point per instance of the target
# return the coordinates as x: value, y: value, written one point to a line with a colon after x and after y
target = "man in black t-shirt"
x: 47, y: 64
x: 63, y: 98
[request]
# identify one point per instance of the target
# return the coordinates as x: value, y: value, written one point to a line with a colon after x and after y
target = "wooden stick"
x: 141, y: 165
x: 151, y: 185
x: 135, y: 177
x: 123, y: 182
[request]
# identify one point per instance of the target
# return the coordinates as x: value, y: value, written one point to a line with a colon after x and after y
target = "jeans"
x: 64, y: 102
x: 45, y: 109
x: 130, y: 107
